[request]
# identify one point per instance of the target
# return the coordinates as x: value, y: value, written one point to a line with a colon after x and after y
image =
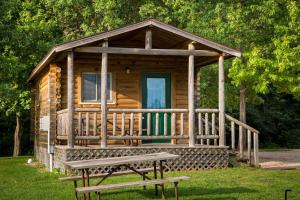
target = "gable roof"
x: 148, y: 23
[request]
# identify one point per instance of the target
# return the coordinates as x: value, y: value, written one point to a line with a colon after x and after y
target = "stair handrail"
x: 249, y: 139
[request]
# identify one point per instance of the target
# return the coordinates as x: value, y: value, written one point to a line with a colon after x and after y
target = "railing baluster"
x: 206, y: 128
x: 241, y: 138
x: 114, y: 123
x: 255, y: 149
x: 156, y: 123
x: 131, y: 124
x: 173, y: 127
x: 165, y: 124
x: 95, y: 124
x: 213, y: 126
x: 123, y: 124
x: 249, y: 145
x: 140, y: 124
x: 232, y: 136
x: 79, y: 123
x: 148, y: 123
x: 181, y: 123
x: 87, y: 128
x: 200, y: 126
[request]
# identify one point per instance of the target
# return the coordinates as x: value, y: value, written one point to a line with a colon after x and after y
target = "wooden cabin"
x: 131, y: 90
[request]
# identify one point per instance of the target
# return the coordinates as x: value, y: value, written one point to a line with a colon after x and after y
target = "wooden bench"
x: 100, y: 188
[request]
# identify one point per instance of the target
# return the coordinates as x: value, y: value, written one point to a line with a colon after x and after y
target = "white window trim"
x: 109, y: 101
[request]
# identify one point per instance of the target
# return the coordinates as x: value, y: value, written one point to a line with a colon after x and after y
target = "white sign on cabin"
x: 45, y: 123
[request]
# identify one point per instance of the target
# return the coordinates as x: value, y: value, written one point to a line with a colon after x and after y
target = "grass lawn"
x: 18, y: 181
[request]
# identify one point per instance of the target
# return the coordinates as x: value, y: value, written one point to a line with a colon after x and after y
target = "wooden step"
x: 100, y: 188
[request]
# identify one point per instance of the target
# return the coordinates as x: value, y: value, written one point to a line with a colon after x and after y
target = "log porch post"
x: 70, y: 101
x: 221, y: 102
x: 191, y: 97
x: 104, y: 97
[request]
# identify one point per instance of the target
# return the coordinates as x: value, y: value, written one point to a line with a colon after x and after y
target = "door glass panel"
x: 156, y: 93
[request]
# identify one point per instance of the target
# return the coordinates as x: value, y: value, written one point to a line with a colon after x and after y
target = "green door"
x: 156, y: 93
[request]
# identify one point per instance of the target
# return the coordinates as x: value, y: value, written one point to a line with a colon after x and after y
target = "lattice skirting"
x: 191, y: 158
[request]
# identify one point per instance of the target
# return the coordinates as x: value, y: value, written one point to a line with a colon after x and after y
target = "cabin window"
x: 91, y: 87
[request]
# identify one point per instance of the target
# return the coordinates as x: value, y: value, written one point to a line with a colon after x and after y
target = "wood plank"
x: 232, y: 136
x: 93, y: 176
x: 156, y: 124
x: 114, y: 123
x: 241, y: 139
x: 140, y: 51
x: 148, y: 39
x: 147, y: 110
x: 123, y: 124
x: 206, y: 128
x: 140, y: 124
x: 148, y: 123
x: 131, y: 124
x: 213, y: 126
x: 115, y: 161
x: 221, y: 99
x: 181, y: 123
x: 165, y: 123
x: 255, y: 149
x: 173, y: 126
x: 79, y: 123
x: 87, y: 123
x: 249, y: 145
x: 95, y: 124
x: 104, y: 95
x: 191, y: 96
x: 241, y: 124
x: 70, y: 95
x: 100, y: 188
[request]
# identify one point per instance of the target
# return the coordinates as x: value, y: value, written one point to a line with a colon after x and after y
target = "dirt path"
x: 285, y: 159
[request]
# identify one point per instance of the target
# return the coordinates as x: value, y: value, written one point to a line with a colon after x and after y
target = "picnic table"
x: 116, y: 166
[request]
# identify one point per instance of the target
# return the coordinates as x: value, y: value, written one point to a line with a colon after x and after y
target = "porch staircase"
x: 247, y: 142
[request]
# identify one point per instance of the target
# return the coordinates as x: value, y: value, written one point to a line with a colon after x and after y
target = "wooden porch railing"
x: 207, y: 130
x: 62, y: 123
x: 251, y: 142
x: 141, y: 124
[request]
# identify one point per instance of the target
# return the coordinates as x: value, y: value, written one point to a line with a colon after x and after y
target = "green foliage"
x: 267, y: 33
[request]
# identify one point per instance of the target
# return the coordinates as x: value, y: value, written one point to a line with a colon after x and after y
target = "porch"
x: 139, y: 130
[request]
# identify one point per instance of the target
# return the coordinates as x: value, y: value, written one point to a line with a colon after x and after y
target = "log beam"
x: 221, y: 102
x: 104, y: 96
x: 191, y: 97
x: 70, y: 99
x: 141, y: 51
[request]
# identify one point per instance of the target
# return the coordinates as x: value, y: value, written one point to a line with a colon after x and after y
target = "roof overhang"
x: 230, y: 52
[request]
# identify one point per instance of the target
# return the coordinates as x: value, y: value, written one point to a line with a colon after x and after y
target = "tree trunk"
x: 243, y: 110
x: 17, y: 136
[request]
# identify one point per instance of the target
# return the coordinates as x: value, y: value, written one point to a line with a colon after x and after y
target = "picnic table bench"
x: 115, y: 164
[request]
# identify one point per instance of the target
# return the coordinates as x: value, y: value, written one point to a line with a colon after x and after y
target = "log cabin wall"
x: 40, y: 108
x: 126, y: 88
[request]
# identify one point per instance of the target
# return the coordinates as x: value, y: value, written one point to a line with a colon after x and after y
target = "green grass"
x: 18, y: 181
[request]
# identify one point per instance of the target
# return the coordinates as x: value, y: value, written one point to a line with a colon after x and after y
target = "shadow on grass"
x: 191, y: 193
